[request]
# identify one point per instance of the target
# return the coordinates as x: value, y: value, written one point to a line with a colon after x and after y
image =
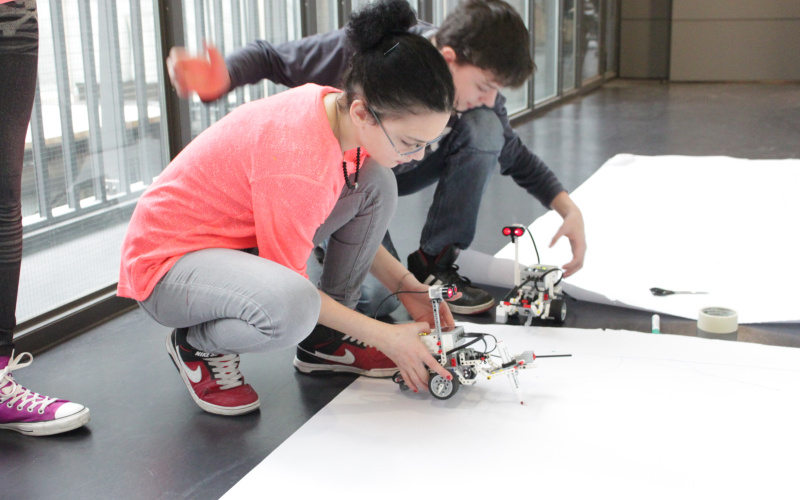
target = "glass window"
x: 546, y: 41
x: 327, y: 15
x: 517, y: 99
x: 98, y: 64
x: 229, y: 25
x: 590, y: 39
x: 568, y: 29
x: 440, y: 10
x: 610, y: 41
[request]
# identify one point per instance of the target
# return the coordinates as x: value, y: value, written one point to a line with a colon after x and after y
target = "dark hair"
x: 491, y: 35
x: 394, y: 71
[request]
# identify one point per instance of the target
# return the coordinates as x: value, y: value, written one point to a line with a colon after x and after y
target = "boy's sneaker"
x: 326, y: 351
x: 442, y: 271
x: 214, y: 380
x: 30, y: 413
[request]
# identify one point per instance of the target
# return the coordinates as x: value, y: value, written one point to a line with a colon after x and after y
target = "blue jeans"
x: 234, y: 302
x: 462, y: 165
x: 18, y: 77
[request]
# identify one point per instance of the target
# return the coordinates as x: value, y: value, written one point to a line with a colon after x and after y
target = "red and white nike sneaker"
x: 214, y: 380
x: 328, y: 351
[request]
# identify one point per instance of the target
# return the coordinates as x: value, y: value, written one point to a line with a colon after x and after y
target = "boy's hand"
x: 208, y: 77
x: 573, y: 229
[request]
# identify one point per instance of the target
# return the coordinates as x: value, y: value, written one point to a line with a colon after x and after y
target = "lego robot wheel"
x: 441, y: 388
x: 558, y: 310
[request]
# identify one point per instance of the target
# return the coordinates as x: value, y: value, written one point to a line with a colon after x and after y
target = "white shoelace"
x: 353, y: 340
x: 11, y: 393
x: 226, y: 370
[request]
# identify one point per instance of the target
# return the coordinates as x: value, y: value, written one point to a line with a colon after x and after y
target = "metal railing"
x: 95, y: 131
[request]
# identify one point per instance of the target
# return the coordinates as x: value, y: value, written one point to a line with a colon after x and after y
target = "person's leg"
x: 223, y: 303
x: 354, y: 231
x: 21, y: 410
x: 467, y: 165
x: 463, y: 166
x: 376, y: 300
x: 18, y: 74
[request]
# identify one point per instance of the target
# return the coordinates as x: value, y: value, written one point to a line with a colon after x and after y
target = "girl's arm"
x: 397, y: 278
x: 399, y: 342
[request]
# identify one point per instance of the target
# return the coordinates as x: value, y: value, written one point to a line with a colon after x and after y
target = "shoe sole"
x: 470, y: 309
x: 227, y: 411
x: 326, y: 369
x: 50, y: 427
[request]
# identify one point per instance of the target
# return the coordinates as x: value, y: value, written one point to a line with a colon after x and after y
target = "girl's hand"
x: 402, y: 345
x: 420, y: 308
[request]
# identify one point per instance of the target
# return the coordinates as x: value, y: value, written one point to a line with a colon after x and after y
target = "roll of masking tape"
x: 717, y: 322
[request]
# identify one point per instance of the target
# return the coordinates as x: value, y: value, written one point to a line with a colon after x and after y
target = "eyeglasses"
x: 415, y: 150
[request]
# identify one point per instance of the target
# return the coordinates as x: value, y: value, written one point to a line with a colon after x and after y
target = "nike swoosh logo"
x: 194, y: 375
x: 347, y: 359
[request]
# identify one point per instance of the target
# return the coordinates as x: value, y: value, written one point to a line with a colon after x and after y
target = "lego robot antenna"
x: 515, y: 231
x: 438, y: 294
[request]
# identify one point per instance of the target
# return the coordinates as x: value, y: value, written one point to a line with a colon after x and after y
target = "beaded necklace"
x: 344, y: 163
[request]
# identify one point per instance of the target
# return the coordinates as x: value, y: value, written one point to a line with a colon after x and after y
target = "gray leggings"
x: 234, y: 302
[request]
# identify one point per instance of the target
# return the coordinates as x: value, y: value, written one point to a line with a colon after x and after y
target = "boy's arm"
x: 319, y: 59
x: 527, y: 169
x: 531, y: 173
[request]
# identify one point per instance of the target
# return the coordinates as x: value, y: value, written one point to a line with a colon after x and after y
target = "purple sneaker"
x: 30, y: 413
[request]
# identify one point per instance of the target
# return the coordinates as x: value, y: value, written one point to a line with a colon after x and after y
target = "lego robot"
x: 452, y: 346
x: 537, y: 289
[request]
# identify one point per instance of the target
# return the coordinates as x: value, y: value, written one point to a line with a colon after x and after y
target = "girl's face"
x: 392, y: 141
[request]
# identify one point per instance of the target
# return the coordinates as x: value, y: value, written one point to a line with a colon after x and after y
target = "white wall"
x: 735, y: 40
x: 644, y: 39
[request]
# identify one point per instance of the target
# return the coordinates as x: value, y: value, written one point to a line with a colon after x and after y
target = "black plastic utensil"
x: 660, y: 292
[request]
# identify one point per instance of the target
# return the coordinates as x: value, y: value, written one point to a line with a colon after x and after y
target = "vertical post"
x: 179, y: 128
x: 143, y: 120
x: 532, y: 49
x: 92, y: 100
x: 345, y: 7
x: 112, y: 96
x: 425, y: 10
x: 253, y: 30
x: 219, y: 42
x: 65, y: 104
x: 200, y: 35
x: 39, y: 148
x: 517, y: 279
x: 308, y: 17
x: 236, y: 25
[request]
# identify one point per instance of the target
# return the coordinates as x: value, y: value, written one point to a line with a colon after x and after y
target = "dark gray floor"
x: 148, y: 440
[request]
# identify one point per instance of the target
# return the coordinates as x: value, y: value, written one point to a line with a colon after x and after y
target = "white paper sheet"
x: 629, y: 416
x: 714, y: 224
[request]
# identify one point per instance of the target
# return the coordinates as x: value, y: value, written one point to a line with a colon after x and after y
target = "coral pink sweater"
x: 267, y: 175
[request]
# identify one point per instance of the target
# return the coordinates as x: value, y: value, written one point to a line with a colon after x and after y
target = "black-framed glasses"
x: 415, y: 150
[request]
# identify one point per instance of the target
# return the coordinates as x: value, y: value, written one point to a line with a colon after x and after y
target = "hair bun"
x: 371, y: 24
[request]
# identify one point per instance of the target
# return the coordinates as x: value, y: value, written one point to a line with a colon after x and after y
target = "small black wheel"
x: 441, y: 388
x: 558, y: 311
